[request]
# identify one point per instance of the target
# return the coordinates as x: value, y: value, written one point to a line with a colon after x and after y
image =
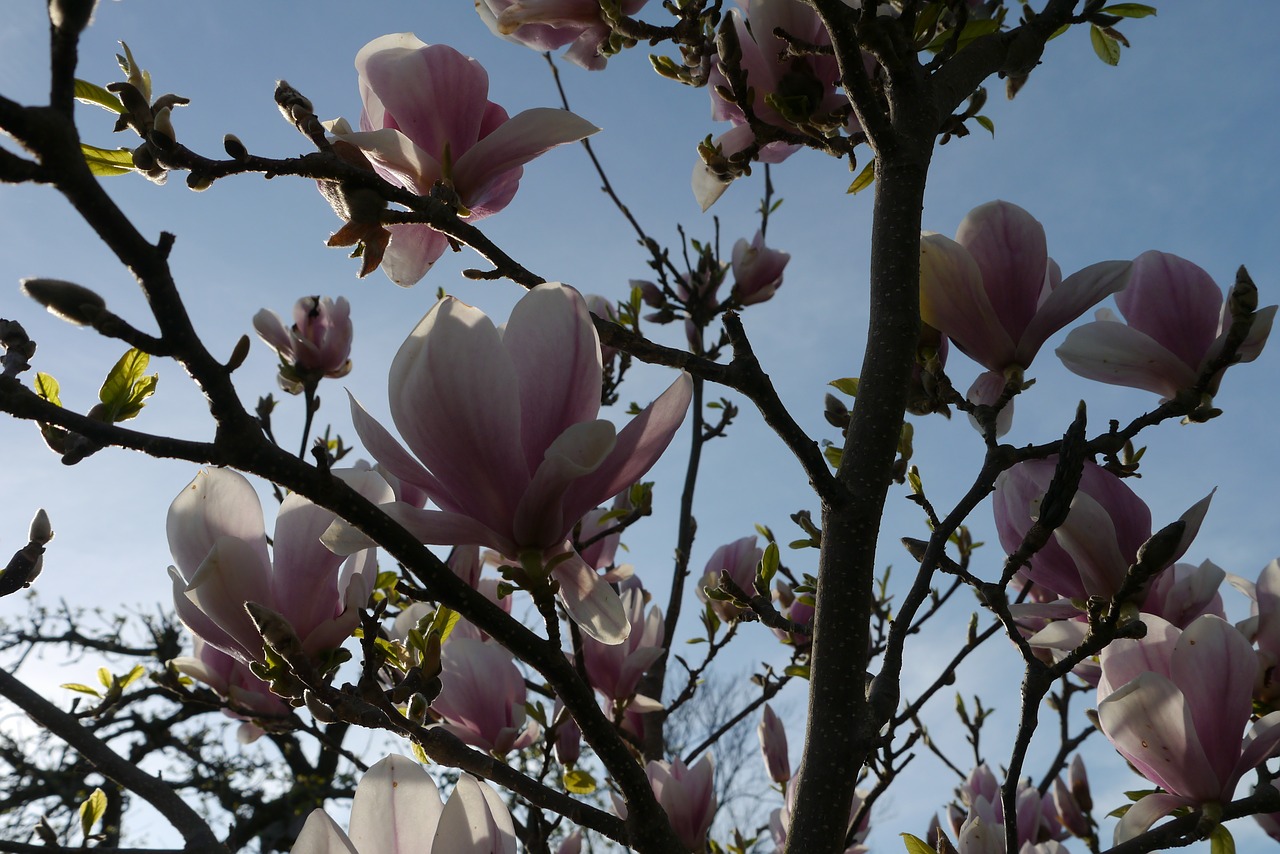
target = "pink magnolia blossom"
x: 686, y: 795
x: 505, y: 438
x: 428, y: 119
x: 796, y: 608
x: 397, y: 810
x: 231, y: 678
x: 547, y: 25
x: 995, y: 292
x: 615, y: 670
x: 757, y: 270
x: 219, y: 546
x: 773, y: 746
x: 1175, y: 322
x: 1263, y: 629
x: 780, y: 819
x: 739, y: 559
x: 979, y: 826
x: 1089, y: 554
x: 317, y: 345
x: 482, y: 697
x: 1175, y: 704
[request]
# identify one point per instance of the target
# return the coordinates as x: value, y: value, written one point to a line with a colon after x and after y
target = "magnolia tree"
x: 452, y: 577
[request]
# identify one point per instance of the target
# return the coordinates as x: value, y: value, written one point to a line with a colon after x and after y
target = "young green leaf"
x: 1107, y: 48
x: 986, y: 123
x: 579, y: 782
x: 1221, y: 841
x: 93, y: 809
x: 92, y: 93
x: 1129, y: 10
x: 916, y: 845
x: 127, y: 386
x: 107, y: 161
x: 848, y: 385
x: 83, y: 689
x: 47, y: 388
x: 864, y: 179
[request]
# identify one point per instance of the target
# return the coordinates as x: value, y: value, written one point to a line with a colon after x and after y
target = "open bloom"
x: 547, y: 25
x: 317, y: 345
x: 249, y: 696
x: 1263, y: 629
x: 757, y: 270
x: 739, y: 559
x: 507, y: 443
x: 615, y: 669
x: 1175, y: 322
x: 995, y: 292
x: 397, y: 810
x: 1174, y: 704
x: 686, y: 795
x: 428, y: 119
x: 219, y: 546
x: 1090, y: 553
x: 482, y: 696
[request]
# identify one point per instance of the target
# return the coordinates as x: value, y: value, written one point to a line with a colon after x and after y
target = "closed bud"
x: 163, y: 136
x: 234, y: 147
x: 1243, y: 300
x: 417, y: 710
x: 319, y: 710
x: 71, y: 15
x: 67, y: 300
x: 238, y: 354
x: 41, y: 531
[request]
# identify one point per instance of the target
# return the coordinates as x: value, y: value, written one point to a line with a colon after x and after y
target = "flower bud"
x: 773, y: 744
x: 67, y: 300
x: 41, y: 531
x: 757, y: 270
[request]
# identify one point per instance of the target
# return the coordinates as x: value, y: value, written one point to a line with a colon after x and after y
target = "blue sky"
x: 1172, y: 150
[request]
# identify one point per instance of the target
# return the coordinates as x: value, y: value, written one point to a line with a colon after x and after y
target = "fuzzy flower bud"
x: 67, y: 300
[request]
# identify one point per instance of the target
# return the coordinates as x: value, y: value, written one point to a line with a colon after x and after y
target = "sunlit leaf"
x: 92, y: 93
x: 47, y: 388
x: 864, y: 179
x: 579, y: 782
x: 83, y: 689
x: 916, y: 845
x: 1129, y: 10
x: 1107, y: 48
x: 107, y: 161
x: 93, y: 808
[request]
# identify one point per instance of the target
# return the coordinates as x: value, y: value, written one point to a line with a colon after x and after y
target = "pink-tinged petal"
x: 1192, y: 518
x: 577, y: 452
x: 556, y: 352
x: 1253, y: 343
x: 229, y: 577
x: 483, y: 695
x: 953, y: 300
x: 986, y: 390
x: 199, y: 623
x: 1267, y: 598
x: 1145, y: 813
x: 1259, y: 744
x: 321, y: 835
x: 1124, y: 660
x: 592, y: 603
x: 218, y: 503
x: 397, y: 158
x: 396, y: 807
x: 1008, y: 245
x: 1215, y: 668
x: 707, y: 186
x: 1064, y: 635
x: 1080, y: 292
x: 517, y: 141
x: 271, y: 329
x: 639, y: 446
x: 1175, y: 303
x: 475, y: 821
x: 383, y: 447
x: 1121, y: 355
x: 455, y: 399
x: 1089, y: 537
x: 412, y: 252
x: 432, y: 93
x: 432, y: 527
x: 1149, y: 722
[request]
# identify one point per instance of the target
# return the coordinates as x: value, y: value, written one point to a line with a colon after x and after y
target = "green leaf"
x: 1107, y: 48
x: 801, y: 670
x: 93, y: 808
x: 420, y: 754
x: 972, y: 30
x: 1221, y: 841
x: 47, y: 388
x: 127, y: 386
x: 768, y: 569
x: 132, y: 676
x: 916, y: 845
x: 1129, y: 10
x: 107, y: 161
x: 105, y: 677
x: 444, y: 621
x: 986, y: 123
x: 834, y: 455
x: 864, y: 179
x: 83, y: 689
x: 579, y: 782
x: 848, y: 385
x: 92, y: 93
x: 800, y: 544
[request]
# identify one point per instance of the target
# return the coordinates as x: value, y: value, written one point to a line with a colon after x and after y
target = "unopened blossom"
x: 1175, y: 704
x: 600, y: 549
x: 780, y: 819
x: 739, y: 559
x: 995, y: 292
x: 318, y: 344
x: 547, y: 25
x: 1176, y: 321
x: 568, y: 736
x: 482, y: 698
x: 219, y: 545
x: 247, y: 695
x: 1263, y: 629
x: 428, y: 120
x: 572, y: 844
x: 979, y: 826
x: 687, y: 796
x: 397, y: 810
x: 773, y: 746
x: 798, y: 608
x: 1072, y: 801
x: 757, y: 270
x: 505, y: 438
x: 1089, y: 554
x: 602, y: 308
x: 615, y: 670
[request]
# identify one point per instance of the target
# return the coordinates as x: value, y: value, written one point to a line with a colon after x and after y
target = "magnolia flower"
x: 615, y: 669
x: 1263, y: 629
x: 547, y: 25
x: 219, y: 546
x: 1174, y: 704
x: 757, y: 270
x: 773, y: 746
x: 482, y: 697
x: 235, y: 683
x: 317, y: 345
x: 427, y: 119
x: 505, y: 440
x: 979, y: 827
x: 780, y: 819
x: 739, y: 559
x: 686, y: 795
x: 397, y: 810
x: 1175, y: 322
x: 995, y: 292
x: 1090, y: 553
